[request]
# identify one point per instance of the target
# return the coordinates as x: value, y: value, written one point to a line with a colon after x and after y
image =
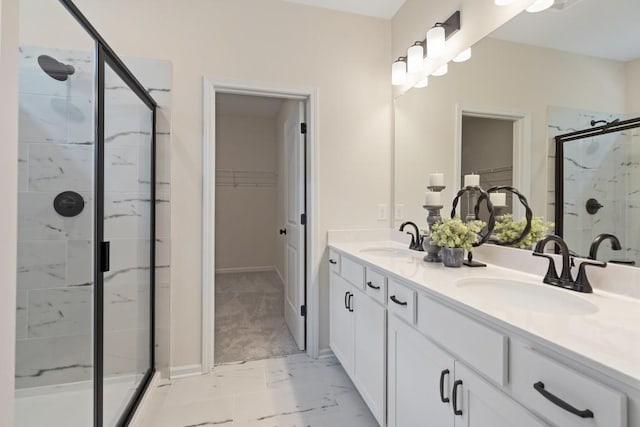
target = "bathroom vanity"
x: 428, y: 345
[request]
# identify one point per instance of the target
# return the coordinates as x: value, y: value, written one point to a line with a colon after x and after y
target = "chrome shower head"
x: 54, y: 68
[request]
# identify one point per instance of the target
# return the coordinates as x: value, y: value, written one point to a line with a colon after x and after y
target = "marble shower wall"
x: 606, y: 168
x: 55, y: 271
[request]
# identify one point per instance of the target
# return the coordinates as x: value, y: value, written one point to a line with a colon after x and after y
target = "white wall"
x: 633, y: 87
x: 345, y: 57
x: 529, y: 81
x: 246, y: 227
x: 9, y: 195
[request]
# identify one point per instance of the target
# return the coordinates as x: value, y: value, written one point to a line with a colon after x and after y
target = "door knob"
x: 283, y: 231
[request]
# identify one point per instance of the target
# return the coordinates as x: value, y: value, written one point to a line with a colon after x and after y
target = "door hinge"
x: 303, y: 219
x: 303, y: 310
x: 303, y: 128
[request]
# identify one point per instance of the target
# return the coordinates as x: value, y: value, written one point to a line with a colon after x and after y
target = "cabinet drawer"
x: 334, y: 261
x: 352, y: 272
x: 402, y: 301
x: 376, y: 285
x: 563, y: 384
x: 479, y: 346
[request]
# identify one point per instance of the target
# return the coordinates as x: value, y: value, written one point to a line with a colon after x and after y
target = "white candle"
x: 436, y: 180
x: 471, y: 180
x: 498, y: 199
x: 432, y: 199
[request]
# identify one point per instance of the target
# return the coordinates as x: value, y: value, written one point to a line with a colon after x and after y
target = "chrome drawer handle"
x: 539, y: 387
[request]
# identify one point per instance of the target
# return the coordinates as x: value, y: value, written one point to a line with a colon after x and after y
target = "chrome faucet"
x: 565, y: 280
x: 416, y: 240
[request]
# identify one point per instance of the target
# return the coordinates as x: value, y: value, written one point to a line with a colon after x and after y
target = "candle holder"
x: 433, y: 216
x: 472, y: 200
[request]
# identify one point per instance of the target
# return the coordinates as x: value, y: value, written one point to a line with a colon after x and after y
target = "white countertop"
x: 610, y: 337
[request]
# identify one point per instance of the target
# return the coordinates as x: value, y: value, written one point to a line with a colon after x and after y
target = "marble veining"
x: 54, y: 312
x: 287, y: 391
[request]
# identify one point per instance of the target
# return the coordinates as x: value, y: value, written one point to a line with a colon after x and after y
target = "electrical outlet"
x: 383, y: 212
x: 399, y: 212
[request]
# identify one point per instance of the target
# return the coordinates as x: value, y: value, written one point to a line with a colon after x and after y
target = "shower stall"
x: 86, y: 228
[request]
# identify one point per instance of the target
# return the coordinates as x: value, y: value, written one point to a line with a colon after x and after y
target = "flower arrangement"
x: 507, y: 230
x: 453, y: 233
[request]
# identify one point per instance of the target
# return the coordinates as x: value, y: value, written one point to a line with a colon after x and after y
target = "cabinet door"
x: 370, y: 340
x: 483, y: 405
x: 341, y: 321
x: 416, y: 367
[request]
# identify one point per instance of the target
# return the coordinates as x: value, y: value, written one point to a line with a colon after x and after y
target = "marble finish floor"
x: 249, y: 318
x: 291, y: 391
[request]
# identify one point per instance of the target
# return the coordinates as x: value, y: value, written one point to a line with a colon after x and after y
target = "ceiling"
x: 377, y: 8
x: 247, y: 105
x: 606, y: 29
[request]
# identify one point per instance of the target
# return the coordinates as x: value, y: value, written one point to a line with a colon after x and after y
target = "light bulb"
x: 415, y: 58
x: 435, y: 42
x: 540, y: 5
x: 465, y: 55
x: 399, y: 72
x: 441, y: 71
x: 504, y: 2
x: 422, y: 83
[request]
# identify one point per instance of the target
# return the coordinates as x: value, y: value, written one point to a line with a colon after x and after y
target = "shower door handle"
x: 105, y: 256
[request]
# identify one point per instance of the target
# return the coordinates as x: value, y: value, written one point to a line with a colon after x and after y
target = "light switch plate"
x: 399, y: 212
x: 383, y: 213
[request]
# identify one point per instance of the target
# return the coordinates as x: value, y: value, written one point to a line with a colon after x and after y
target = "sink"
x: 528, y: 296
x: 388, y: 252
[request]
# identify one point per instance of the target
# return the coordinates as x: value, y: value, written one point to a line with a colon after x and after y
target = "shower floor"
x: 71, y: 405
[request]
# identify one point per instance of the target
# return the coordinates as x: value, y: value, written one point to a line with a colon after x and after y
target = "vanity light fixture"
x: 441, y: 71
x: 540, y: 5
x: 436, y: 41
x: 399, y: 71
x: 434, y: 44
x: 422, y: 83
x: 415, y: 58
x: 504, y: 2
x: 463, y: 56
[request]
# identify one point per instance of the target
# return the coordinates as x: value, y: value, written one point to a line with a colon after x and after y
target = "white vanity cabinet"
x: 358, y: 333
x: 421, y: 360
x: 429, y: 387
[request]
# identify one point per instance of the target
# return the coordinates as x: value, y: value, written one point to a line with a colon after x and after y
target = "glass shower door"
x: 128, y: 223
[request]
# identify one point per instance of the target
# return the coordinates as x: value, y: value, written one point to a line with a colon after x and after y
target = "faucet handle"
x: 582, y: 283
x: 551, y: 277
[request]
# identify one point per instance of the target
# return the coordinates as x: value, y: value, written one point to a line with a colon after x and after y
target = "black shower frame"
x: 105, y: 55
x: 559, y: 163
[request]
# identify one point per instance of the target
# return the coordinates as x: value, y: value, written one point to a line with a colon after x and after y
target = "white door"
x: 369, y: 352
x: 420, y: 378
x: 294, y: 170
x: 341, y: 321
x: 480, y: 404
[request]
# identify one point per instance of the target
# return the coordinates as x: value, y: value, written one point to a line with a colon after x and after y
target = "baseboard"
x: 257, y: 269
x: 324, y: 353
x: 279, y: 274
x: 185, y: 371
x: 138, y: 416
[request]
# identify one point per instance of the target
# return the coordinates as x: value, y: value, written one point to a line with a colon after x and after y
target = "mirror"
x: 538, y: 76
